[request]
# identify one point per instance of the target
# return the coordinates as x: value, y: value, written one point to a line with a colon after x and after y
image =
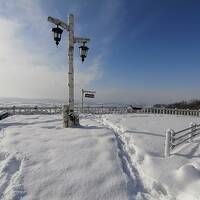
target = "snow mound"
x: 188, y: 172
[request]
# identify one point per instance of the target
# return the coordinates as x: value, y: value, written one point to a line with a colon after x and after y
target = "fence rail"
x: 27, y: 110
x: 174, y: 139
x: 31, y: 110
x: 102, y: 110
x: 171, y: 111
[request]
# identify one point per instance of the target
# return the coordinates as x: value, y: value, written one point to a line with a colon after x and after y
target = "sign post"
x: 87, y: 94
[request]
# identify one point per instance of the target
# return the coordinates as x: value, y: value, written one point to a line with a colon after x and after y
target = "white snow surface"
x: 106, y: 157
x: 41, y: 160
x: 142, y: 136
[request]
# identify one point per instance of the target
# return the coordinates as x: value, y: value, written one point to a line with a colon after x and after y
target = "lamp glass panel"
x: 59, y: 35
x: 83, y: 52
x: 55, y: 34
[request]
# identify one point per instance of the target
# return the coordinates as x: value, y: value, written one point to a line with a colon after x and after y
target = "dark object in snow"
x: 132, y: 109
x: 4, y: 115
x: 136, y: 108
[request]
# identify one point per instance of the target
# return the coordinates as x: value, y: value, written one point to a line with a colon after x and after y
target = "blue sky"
x: 143, y: 51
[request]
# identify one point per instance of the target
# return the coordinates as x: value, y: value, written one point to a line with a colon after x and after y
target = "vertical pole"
x: 70, y: 61
x: 68, y: 110
x: 82, y: 99
x: 65, y: 116
x: 193, y: 129
x: 71, y: 71
x: 167, y: 143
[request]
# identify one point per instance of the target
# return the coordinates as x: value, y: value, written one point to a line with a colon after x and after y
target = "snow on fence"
x: 31, y: 110
x: 171, y: 111
x: 174, y: 139
x: 102, y: 110
x: 27, y: 110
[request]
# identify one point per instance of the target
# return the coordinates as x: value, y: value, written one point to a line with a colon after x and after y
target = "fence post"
x: 193, y: 129
x: 14, y: 111
x: 167, y: 142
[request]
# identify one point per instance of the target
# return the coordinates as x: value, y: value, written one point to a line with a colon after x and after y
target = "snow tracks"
x: 10, y: 176
x: 139, y: 185
x: 11, y: 186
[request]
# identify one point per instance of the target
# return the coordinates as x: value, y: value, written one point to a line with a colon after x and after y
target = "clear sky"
x: 142, y: 51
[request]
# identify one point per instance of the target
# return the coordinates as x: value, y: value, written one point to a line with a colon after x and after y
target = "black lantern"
x: 83, y: 51
x: 57, y: 32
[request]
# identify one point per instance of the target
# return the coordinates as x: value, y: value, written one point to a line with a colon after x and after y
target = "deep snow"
x: 143, y: 138
x: 41, y: 160
x: 107, y: 157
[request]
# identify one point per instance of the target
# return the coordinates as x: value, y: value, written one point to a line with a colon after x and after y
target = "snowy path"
x: 141, y: 140
x: 140, y: 186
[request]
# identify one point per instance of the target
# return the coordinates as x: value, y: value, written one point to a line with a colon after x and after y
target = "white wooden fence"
x: 174, y: 139
x: 27, y: 110
x: 102, y: 110
x: 170, y: 111
x: 31, y: 110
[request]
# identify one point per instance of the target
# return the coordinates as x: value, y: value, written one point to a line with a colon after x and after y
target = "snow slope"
x: 142, y: 138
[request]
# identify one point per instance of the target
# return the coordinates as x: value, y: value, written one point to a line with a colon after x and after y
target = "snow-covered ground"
x: 107, y: 157
x: 142, y: 137
x: 41, y: 160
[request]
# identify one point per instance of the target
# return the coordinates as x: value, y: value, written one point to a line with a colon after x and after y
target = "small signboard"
x: 89, y: 95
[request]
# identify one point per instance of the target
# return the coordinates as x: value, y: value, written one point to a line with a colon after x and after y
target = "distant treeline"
x: 193, y: 105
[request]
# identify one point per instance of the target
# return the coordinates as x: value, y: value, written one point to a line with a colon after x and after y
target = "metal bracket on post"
x: 81, y: 40
x: 58, y: 22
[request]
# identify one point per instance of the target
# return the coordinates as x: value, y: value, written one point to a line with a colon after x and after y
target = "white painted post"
x: 193, y: 129
x: 65, y: 116
x: 71, y: 67
x: 82, y: 92
x: 167, y: 142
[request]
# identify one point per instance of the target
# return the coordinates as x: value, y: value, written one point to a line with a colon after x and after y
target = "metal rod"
x: 182, y: 131
x: 82, y: 98
x: 185, y: 129
x: 185, y: 140
x: 183, y: 135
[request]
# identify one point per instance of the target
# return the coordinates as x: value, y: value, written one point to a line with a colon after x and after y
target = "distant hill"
x: 192, y: 105
x: 9, y: 101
